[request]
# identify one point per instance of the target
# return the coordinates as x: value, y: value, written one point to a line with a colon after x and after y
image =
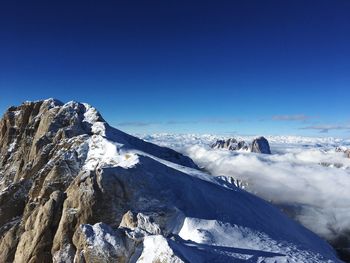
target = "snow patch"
x: 105, y: 153
x: 213, y: 232
x: 12, y: 146
x: 157, y: 249
x: 91, y: 114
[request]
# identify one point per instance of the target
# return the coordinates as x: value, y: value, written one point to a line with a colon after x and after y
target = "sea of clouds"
x: 305, y: 176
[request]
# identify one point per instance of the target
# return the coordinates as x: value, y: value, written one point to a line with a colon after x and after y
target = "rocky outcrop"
x: 346, y: 151
x: 38, y: 162
x: 46, y: 196
x: 231, y: 144
x: 259, y: 145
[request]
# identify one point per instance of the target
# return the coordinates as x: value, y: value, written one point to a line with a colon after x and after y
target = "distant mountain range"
x: 258, y: 145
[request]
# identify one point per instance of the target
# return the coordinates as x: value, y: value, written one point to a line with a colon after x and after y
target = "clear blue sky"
x: 251, y: 67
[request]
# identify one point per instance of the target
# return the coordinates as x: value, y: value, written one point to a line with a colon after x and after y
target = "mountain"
x: 344, y: 150
x: 258, y: 145
x: 74, y: 189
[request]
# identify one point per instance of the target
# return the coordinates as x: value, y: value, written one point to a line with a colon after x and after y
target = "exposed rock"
x: 99, y: 243
x: 260, y: 145
x: 38, y: 161
x: 335, y: 165
x: 346, y: 151
x: 45, y: 194
x: 36, y: 240
x: 231, y: 144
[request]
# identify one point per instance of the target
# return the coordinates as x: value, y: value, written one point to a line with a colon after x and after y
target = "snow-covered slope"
x: 226, y: 222
x: 213, y: 220
x: 127, y: 200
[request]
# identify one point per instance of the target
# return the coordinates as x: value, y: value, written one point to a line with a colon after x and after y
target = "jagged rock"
x: 343, y: 150
x: 260, y: 145
x: 36, y: 240
x: 242, y: 145
x: 231, y: 144
x: 328, y: 164
x: 45, y: 194
x: 35, y: 166
x: 99, y: 243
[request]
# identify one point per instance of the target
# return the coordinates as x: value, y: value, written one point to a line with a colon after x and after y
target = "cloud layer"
x: 295, y: 178
x: 300, y: 176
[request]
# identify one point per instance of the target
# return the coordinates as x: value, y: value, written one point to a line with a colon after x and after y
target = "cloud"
x: 176, y: 122
x: 292, y: 177
x: 326, y: 128
x: 298, y: 117
x: 319, y: 195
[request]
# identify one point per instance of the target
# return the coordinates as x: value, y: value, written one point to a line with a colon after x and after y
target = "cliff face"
x: 45, y: 192
x: 36, y: 141
x: 74, y: 189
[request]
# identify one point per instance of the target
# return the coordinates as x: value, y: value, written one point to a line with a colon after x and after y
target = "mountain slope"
x: 75, y: 189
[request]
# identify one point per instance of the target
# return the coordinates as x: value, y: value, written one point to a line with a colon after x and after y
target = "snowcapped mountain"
x: 74, y: 189
x: 258, y: 145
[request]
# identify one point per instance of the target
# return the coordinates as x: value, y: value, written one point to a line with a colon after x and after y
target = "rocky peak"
x: 44, y: 146
x: 259, y: 145
x: 344, y: 150
x: 230, y: 144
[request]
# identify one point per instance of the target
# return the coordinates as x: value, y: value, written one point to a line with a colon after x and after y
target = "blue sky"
x: 247, y: 67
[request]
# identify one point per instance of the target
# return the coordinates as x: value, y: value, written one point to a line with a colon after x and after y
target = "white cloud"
x: 291, y: 176
x: 297, y: 117
x: 294, y: 178
x: 326, y: 128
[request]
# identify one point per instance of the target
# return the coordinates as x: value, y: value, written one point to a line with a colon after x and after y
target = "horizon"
x: 271, y: 68
x: 223, y: 134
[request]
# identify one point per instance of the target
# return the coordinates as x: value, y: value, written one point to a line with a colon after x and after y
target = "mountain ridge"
x: 74, y: 189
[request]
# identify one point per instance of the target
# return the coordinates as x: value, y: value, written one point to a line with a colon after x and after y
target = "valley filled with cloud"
x: 306, y: 177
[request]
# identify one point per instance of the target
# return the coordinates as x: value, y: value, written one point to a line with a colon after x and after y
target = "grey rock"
x: 346, y: 151
x: 260, y: 145
x: 48, y: 203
